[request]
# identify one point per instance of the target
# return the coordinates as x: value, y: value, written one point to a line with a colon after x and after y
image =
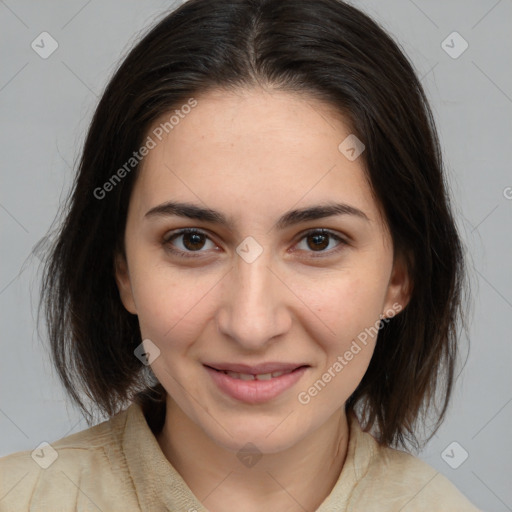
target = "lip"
x: 256, y: 391
x: 268, y: 367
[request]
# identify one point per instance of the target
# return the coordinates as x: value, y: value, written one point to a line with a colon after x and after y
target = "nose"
x: 254, y: 312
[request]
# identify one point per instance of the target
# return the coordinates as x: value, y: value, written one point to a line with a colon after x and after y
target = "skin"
x: 254, y: 155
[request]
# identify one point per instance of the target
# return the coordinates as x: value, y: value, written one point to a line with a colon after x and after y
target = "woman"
x: 258, y: 277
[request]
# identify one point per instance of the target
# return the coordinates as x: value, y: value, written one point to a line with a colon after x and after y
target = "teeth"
x: 261, y: 376
x: 239, y: 376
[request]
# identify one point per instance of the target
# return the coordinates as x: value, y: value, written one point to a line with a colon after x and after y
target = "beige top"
x: 118, y: 466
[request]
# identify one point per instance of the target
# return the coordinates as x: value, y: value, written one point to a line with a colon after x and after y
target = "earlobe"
x: 399, y: 289
x: 123, y: 283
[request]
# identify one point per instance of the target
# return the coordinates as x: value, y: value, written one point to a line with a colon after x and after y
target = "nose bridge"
x: 255, y: 312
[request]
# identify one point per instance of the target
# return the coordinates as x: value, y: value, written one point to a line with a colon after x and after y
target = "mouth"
x: 255, y: 384
x: 256, y: 376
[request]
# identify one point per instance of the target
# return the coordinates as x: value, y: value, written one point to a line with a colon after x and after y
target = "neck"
x: 296, y: 479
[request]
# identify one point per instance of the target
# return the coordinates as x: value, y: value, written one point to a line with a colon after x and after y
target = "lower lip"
x: 255, y: 391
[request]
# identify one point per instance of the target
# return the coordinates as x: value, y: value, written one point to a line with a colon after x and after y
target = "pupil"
x: 318, y: 238
x: 195, y: 241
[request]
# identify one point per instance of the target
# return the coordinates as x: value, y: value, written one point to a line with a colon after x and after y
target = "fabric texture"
x: 118, y: 466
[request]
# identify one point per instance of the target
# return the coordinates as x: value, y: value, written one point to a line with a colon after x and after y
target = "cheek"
x: 172, y: 304
x: 351, y: 308
x: 348, y: 304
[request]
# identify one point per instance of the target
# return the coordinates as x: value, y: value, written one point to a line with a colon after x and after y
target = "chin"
x: 259, y: 442
x: 268, y: 435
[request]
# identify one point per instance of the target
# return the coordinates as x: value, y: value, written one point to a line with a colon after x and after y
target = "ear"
x: 399, y: 288
x: 123, y: 283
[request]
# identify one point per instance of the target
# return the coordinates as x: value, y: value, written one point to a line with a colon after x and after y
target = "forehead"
x: 253, y: 150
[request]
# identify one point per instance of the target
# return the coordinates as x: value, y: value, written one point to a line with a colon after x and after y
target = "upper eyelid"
x: 184, y: 231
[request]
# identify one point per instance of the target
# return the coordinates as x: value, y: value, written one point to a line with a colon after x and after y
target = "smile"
x: 254, y: 386
x: 259, y: 376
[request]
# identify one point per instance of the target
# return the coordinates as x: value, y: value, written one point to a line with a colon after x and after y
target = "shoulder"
x: 68, y: 474
x: 419, y: 485
x: 402, y: 482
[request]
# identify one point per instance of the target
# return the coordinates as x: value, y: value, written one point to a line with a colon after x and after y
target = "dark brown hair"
x: 333, y: 52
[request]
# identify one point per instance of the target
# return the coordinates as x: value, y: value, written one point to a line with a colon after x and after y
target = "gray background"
x: 46, y: 105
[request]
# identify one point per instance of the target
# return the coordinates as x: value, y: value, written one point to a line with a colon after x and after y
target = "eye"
x: 317, y: 240
x: 192, y: 240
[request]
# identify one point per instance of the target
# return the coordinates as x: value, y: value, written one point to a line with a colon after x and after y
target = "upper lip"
x: 257, y: 369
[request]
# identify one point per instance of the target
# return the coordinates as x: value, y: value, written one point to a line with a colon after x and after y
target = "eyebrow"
x: 191, y: 211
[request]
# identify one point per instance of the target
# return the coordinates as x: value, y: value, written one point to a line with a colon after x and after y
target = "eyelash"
x: 190, y: 254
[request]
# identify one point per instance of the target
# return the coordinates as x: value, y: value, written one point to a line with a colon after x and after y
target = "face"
x: 246, y: 289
